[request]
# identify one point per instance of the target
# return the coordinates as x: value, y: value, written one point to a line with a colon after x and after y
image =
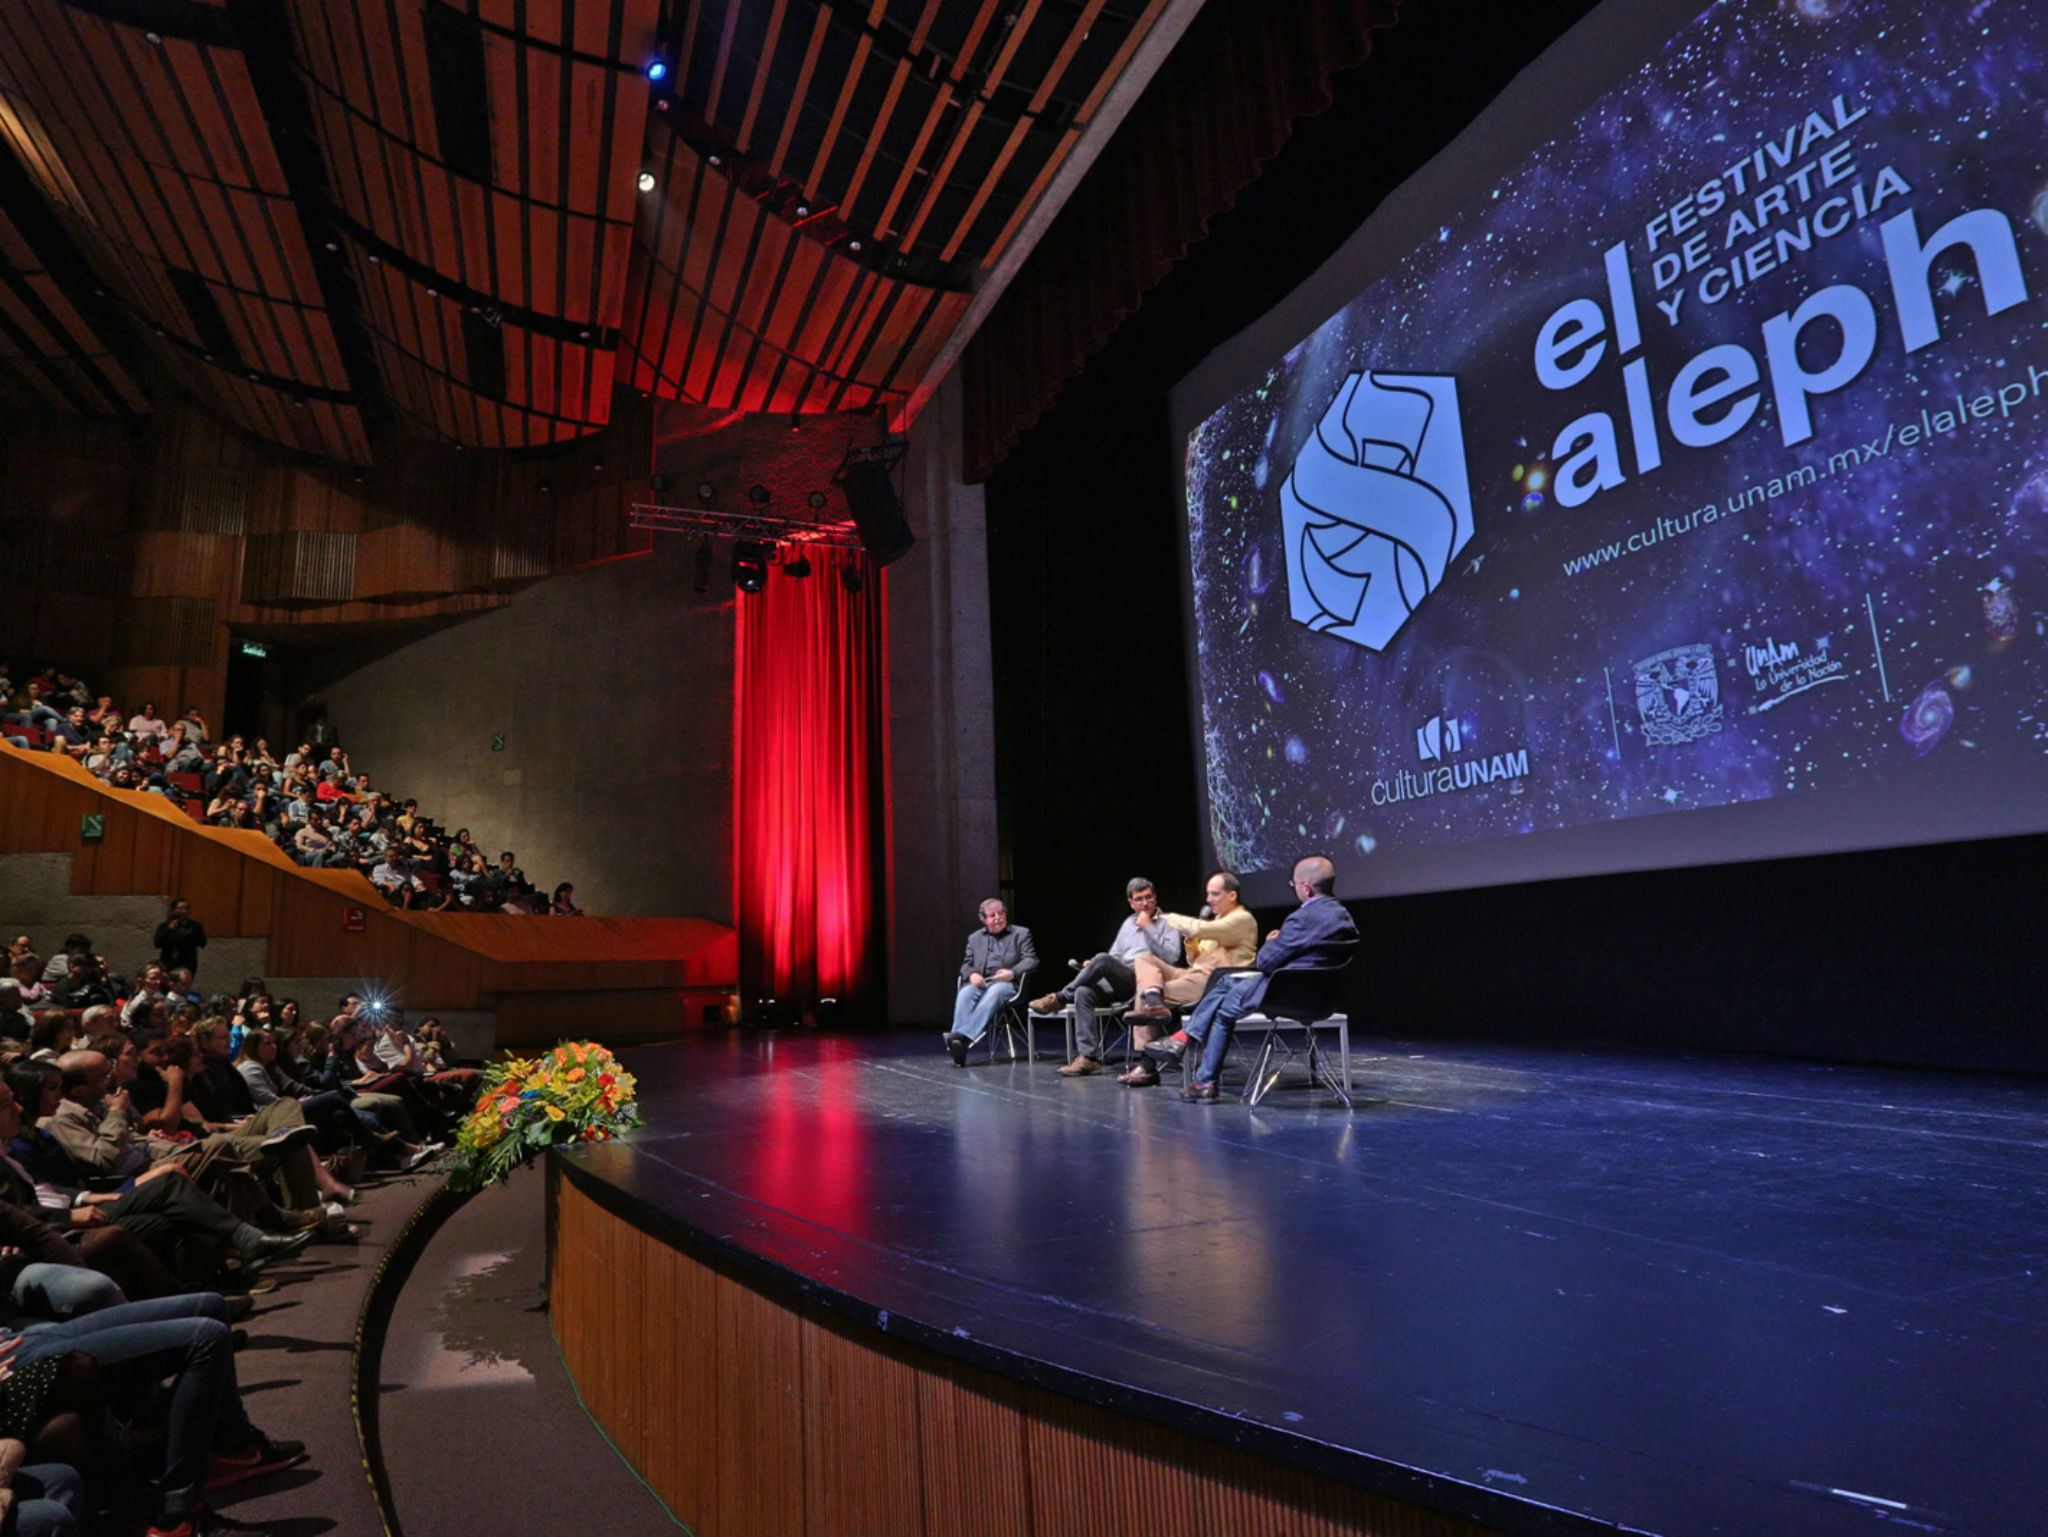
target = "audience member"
x: 314, y: 804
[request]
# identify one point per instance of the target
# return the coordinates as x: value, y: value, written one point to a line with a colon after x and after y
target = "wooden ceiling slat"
x: 871, y: 141
x: 1015, y: 24
x: 821, y: 26
x: 725, y: 38
x: 599, y: 29
x: 547, y: 171
x: 777, y: 11
x: 585, y: 185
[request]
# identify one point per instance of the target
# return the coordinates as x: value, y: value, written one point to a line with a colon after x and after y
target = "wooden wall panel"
x: 761, y: 1430
x: 847, y: 1488
x: 960, y: 1427
x: 241, y: 885
x: 746, y: 1416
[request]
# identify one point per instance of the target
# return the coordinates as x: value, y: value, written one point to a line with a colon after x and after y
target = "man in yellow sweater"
x: 1228, y: 938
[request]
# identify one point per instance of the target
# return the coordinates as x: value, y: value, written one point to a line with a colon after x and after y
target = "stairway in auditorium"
x: 36, y: 899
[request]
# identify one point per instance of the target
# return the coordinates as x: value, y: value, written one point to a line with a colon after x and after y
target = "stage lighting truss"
x: 754, y: 524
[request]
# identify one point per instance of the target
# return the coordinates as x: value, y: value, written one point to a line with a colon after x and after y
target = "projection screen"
x: 1659, y: 478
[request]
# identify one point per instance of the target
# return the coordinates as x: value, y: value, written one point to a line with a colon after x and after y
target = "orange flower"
x: 575, y: 1073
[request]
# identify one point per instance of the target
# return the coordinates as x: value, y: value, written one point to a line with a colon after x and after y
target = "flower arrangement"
x: 574, y: 1093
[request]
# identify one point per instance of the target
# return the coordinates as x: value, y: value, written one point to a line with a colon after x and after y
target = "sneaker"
x: 1049, y: 1004
x: 957, y: 1044
x: 260, y: 1456
x: 291, y: 1136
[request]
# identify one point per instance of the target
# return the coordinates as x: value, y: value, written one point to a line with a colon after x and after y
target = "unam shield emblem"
x: 1678, y: 694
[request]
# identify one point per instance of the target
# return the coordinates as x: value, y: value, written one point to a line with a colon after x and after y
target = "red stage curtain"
x: 1220, y: 107
x: 810, y: 721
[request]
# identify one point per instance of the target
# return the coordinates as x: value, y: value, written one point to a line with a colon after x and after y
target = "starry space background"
x: 1941, y: 550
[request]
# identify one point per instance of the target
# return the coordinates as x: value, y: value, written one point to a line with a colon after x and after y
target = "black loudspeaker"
x: 877, y: 511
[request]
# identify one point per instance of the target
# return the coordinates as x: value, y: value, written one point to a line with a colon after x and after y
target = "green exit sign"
x: 255, y: 648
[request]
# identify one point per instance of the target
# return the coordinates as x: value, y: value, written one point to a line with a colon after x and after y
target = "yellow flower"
x: 554, y: 1112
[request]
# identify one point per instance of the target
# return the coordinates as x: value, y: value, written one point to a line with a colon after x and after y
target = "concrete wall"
x: 941, y: 722
x: 612, y: 688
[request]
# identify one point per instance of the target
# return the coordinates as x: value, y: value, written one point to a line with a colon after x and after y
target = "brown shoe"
x: 1198, y: 1093
x: 1049, y: 1004
x: 1081, y: 1067
x: 1140, y: 1077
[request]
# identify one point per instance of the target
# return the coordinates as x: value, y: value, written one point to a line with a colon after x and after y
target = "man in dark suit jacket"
x: 1318, y: 933
x: 999, y: 955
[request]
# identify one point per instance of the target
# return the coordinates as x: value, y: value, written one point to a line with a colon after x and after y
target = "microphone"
x: 1206, y: 913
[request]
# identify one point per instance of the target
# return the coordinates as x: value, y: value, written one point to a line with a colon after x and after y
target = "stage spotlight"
x: 749, y: 565
x: 660, y: 484
x: 706, y: 491
x: 657, y: 70
x: 799, y: 568
x: 703, y: 582
x: 759, y: 495
x: 852, y: 578
x: 816, y: 500
x: 646, y: 182
x: 796, y: 421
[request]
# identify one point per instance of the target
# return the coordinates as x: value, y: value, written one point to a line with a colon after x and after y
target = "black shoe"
x: 259, y: 1252
x: 957, y: 1044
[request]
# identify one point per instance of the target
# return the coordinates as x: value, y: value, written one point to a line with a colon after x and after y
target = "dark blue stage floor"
x: 1679, y: 1294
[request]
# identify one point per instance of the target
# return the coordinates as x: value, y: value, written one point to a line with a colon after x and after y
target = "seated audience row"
x: 311, y: 803
x: 157, y: 1157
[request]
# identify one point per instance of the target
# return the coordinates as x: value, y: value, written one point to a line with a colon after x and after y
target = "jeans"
x: 62, y: 1291
x: 138, y: 1345
x: 1214, y: 1018
x: 48, y: 1499
x: 974, y: 1007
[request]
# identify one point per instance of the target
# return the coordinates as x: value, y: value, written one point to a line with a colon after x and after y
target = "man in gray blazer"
x: 999, y: 957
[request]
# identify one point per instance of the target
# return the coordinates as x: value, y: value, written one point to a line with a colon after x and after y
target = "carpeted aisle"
x: 481, y: 1429
x: 294, y: 1373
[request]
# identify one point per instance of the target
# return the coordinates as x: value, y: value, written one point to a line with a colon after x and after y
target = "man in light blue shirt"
x: 1108, y: 976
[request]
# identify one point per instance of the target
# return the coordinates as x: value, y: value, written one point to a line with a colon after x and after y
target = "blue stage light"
x: 657, y: 70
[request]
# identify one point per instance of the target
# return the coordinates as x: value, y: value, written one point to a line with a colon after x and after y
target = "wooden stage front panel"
x: 749, y: 1416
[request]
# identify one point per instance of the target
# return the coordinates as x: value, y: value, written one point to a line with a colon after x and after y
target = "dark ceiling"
x: 326, y: 218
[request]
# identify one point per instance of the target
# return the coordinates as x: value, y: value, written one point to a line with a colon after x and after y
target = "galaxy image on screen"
x: 1693, y: 464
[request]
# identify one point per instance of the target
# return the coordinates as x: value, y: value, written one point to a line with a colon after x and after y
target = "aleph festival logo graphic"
x: 1678, y: 695
x: 1376, y: 506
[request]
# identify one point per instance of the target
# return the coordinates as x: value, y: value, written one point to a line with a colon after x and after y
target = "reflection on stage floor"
x: 1678, y: 1293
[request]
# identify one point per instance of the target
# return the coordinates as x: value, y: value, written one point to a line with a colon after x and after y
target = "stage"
x: 1542, y: 1290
